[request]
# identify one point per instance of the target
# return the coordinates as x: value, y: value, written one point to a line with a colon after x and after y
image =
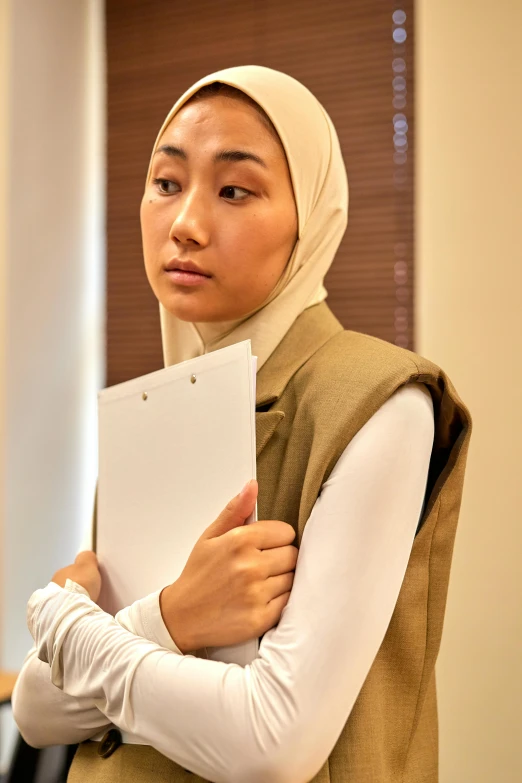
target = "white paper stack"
x: 174, y: 447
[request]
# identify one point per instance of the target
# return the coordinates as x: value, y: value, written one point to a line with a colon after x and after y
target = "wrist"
x: 176, y: 624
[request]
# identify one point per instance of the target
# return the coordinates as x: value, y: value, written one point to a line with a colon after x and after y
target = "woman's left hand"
x: 84, y: 572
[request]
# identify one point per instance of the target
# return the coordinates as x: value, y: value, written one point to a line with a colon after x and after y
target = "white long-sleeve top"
x: 279, y: 718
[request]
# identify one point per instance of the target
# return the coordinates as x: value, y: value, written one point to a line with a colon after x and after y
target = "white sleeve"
x: 278, y: 719
x: 72, y: 719
x: 46, y: 715
x: 143, y: 618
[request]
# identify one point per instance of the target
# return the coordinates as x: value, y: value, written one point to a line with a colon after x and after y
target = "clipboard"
x: 174, y: 447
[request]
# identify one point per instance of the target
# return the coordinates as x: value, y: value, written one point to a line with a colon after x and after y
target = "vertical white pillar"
x: 52, y: 286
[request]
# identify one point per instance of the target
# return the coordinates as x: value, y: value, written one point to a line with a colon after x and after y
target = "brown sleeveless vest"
x: 317, y: 390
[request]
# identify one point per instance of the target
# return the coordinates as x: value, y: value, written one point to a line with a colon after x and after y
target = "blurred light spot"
x: 400, y: 272
x: 401, y: 143
x: 399, y: 16
x: 400, y: 176
x: 399, y: 102
x: 402, y: 294
x: 400, y: 182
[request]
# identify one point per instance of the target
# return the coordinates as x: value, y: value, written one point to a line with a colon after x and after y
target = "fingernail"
x: 245, y: 489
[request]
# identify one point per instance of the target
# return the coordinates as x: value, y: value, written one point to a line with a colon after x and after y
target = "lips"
x: 186, y: 274
x: 175, y: 265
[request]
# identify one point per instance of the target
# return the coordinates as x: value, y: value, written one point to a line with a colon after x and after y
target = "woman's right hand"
x: 236, y: 581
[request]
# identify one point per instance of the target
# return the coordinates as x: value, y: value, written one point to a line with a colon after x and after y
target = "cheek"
x: 258, y: 248
x: 155, y: 225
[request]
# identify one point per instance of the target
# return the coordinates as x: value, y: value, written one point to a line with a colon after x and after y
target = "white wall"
x: 469, y: 319
x: 54, y: 298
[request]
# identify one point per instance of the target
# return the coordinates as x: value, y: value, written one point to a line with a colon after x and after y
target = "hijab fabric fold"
x: 321, y: 193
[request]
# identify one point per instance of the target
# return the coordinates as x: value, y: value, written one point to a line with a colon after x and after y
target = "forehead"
x: 223, y: 120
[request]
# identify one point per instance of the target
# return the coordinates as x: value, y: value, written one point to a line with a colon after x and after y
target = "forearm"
x: 143, y: 618
x: 46, y: 715
x: 71, y: 719
x: 144, y: 689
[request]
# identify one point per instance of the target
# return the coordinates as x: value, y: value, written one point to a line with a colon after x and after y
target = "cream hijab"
x: 321, y: 194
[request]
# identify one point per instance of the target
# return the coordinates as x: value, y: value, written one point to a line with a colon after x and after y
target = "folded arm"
x: 279, y: 718
x: 71, y: 719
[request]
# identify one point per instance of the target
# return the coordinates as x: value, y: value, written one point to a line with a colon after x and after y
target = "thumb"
x: 235, y: 513
x: 86, y: 558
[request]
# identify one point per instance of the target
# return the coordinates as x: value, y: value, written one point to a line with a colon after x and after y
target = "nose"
x: 191, y: 225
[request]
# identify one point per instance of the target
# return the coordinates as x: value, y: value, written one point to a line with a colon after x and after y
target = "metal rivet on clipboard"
x: 144, y: 396
x: 193, y: 379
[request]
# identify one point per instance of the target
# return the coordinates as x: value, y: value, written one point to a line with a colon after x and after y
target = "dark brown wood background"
x: 344, y: 52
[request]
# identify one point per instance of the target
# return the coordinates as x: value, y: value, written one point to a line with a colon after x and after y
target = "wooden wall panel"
x: 345, y: 52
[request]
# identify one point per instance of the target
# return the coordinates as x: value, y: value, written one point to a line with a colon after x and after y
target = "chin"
x: 195, y: 312
x: 197, y: 306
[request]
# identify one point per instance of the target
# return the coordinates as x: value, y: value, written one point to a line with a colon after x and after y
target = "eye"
x: 165, y: 186
x: 229, y: 190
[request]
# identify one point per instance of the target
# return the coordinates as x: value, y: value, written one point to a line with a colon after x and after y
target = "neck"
x: 211, y: 332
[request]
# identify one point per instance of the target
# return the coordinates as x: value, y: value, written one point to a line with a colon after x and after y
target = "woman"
x: 361, y: 449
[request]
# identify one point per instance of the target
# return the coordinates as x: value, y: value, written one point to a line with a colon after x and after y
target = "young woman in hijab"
x: 361, y: 450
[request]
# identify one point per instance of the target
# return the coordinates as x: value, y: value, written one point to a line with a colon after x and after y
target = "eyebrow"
x: 223, y: 155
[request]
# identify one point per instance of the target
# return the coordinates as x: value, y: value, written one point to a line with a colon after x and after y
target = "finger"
x: 274, y: 610
x: 280, y: 560
x: 86, y: 558
x: 278, y: 585
x: 235, y: 513
x: 270, y: 533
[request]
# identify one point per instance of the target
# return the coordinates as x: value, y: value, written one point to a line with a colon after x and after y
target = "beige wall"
x: 4, y: 143
x: 469, y: 319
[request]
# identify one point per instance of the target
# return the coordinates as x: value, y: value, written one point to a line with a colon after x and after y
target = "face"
x: 218, y: 216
